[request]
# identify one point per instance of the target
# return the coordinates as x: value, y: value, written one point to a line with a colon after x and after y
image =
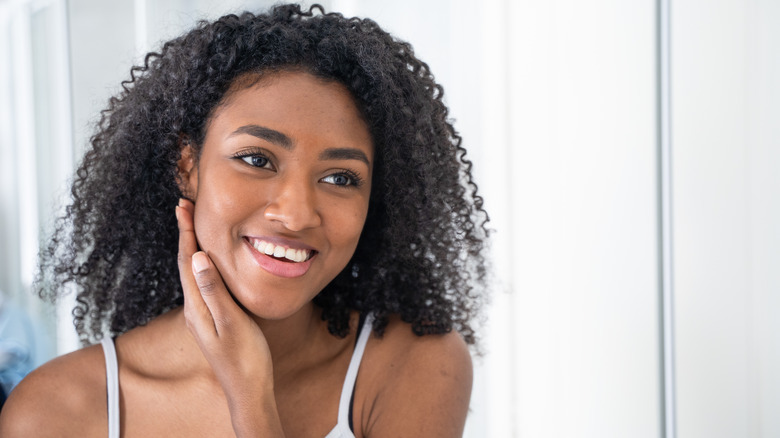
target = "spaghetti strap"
x: 342, y: 429
x: 112, y: 386
x: 352, y: 371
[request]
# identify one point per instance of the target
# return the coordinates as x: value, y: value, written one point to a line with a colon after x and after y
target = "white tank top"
x: 342, y: 429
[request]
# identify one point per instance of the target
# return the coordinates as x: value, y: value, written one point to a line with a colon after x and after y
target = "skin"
x: 248, y: 354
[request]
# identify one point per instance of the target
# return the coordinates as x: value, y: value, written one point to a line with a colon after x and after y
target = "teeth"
x: 294, y: 255
x: 291, y: 254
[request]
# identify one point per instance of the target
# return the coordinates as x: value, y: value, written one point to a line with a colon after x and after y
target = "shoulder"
x: 415, y: 385
x: 64, y: 397
x: 402, y: 352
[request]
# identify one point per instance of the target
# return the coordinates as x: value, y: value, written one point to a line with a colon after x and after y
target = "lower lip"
x: 278, y: 267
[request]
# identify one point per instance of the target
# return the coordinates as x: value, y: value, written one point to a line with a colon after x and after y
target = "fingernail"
x: 181, y: 202
x: 199, y: 262
x: 177, y: 213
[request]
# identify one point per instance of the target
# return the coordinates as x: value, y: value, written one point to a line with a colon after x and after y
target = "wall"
x: 726, y: 167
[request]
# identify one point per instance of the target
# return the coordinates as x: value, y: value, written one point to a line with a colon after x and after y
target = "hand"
x: 231, y: 341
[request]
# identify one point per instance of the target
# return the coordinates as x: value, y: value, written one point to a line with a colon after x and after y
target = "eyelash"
x: 355, y: 179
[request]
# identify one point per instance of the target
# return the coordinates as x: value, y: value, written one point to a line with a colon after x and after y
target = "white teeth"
x: 294, y: 255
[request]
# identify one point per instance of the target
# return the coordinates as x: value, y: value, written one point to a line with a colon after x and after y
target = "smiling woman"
x: 323, y: 265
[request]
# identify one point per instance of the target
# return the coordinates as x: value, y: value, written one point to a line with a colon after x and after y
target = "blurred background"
x: 628, y: 153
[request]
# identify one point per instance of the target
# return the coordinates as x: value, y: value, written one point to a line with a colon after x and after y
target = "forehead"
x: 289, y: 97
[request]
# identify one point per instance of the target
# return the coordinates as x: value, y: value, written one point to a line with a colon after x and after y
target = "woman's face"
x: 281, y: 189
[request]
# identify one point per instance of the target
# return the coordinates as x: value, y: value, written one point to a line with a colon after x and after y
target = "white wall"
x: 582, y: 191
x: 726, y: 142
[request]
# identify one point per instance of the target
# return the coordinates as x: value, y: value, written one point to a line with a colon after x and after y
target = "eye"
x: 255, y: 160
x: 343, y: 179
x: 338, y: 179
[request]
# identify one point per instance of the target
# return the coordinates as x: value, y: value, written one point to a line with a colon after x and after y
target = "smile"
x: 281, y: 252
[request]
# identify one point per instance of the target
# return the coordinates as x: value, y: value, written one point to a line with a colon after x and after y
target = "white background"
x: 558, y: 104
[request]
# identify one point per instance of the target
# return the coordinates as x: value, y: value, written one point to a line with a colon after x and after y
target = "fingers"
x: 208, y: 305
x: 196, y: 311
x: 188, y: 244
x: 213, y: 292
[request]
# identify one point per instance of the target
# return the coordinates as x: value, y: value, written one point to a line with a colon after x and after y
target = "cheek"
x: 216, y: 213
x: 204, y: 227
x: 351, y: 222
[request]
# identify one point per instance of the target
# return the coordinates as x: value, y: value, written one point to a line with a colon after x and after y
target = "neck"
x: 293, y: 341
x: 292, y: 337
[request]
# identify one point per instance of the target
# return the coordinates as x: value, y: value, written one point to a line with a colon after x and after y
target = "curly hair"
x: 422, y: 251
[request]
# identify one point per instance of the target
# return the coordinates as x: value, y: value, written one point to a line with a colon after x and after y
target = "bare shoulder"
x: 64, y: 397
x: 415, y: 385
x: 411, y: 355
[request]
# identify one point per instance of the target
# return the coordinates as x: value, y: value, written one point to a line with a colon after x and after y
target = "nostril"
x: 295, y: 219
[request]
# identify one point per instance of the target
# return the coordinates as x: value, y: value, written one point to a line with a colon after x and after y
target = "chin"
x: 270, y: 305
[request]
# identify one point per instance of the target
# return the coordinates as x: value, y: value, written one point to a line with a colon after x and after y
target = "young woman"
x: 322, y: 266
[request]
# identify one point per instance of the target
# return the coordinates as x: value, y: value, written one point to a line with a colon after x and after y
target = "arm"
x: 230, y: 340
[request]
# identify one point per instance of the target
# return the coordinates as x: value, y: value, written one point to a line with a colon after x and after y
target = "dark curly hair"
x: 422, y: 252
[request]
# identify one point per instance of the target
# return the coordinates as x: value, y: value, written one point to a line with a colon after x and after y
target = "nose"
x: 293, y: 204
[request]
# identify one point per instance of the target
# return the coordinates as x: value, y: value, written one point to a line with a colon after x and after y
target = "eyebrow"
x: 344, y: 154
x: 264, y: 133
x: 284, y: 141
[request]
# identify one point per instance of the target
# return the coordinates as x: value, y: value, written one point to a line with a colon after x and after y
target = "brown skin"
x: 267, y: 367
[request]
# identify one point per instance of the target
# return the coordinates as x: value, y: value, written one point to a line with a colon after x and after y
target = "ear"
x: 187, y: 169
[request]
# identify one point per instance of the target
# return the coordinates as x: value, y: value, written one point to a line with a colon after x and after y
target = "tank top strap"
x: 112, y: 386
x: 352, y: 371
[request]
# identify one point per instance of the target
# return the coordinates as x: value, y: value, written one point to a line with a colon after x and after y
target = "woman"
x: 326, y: 241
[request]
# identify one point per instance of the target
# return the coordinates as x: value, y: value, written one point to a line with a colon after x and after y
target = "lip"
x: 278, y: 267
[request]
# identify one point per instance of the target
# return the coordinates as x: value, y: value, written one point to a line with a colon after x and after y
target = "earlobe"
x: 187, y: 170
